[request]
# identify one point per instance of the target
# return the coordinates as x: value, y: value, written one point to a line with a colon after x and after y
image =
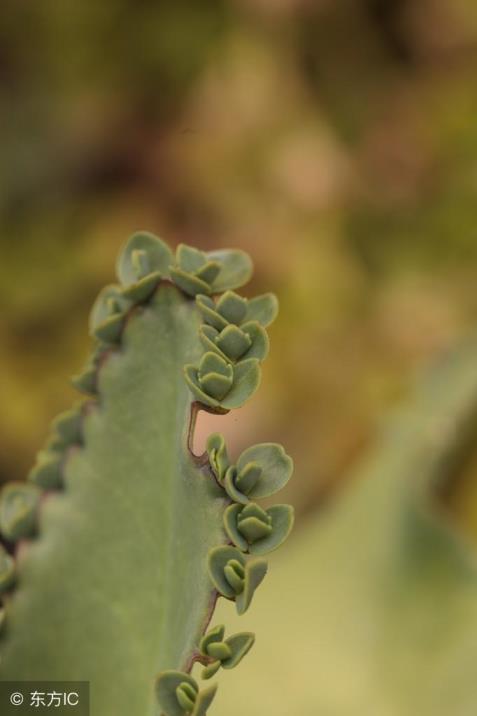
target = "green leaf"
x: 228, y: 653
x: 175, y: 687
x: 218, y: 456
x: 85, y: 381
x: 203, y: 701
x: 18, y: 507
x: 167, y: 684
x: 381, y: 586
x: 263, y: 309
x: 230, y: 525
x: 233, y: 342
x: 276, y: 465
x: 186, y: 696
x: 109, y: 331
x: 219, y: 650
x: 216, y: 385
x: 255, y: 571
x: 259, y: 338
x: 232, y: 307
x: 247, y: 479
x: 219, y: 557
x: 228, y: 394
x: 192, y: 379
x: 232, y: 310
x: 46, y: 473
x: 212, y: 363
x: 208, y: 336
x: 142, y: 289
x: 115, y: 589
x: 240, y: 645
x: 68, y: 427
x: 254, y: 522
x: 207, y: 308
x: 214, y: 635
x: 234, y: 572
x: 108, y: 311
x: 282, y: 520
x: 194, y: 273
x: 257, y: 531
x: 253, y: 534
x: 190, y: 259
x: 236, y: 269
x: 209, y: 271
x: 245, y: 383
x: 232, y: 582
x: 157, y: 253
x: 190, y: 284
x: 249, y: 476
x: 211, y: 669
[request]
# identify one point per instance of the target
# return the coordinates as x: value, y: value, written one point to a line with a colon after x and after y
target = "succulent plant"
x: 218, y: 652
x: 122, y: 537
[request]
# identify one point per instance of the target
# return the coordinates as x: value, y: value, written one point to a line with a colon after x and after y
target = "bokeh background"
x: 334, y: 140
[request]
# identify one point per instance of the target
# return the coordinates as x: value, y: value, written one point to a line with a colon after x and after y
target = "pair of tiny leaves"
x: 261, y: 470
x: 178, y: 694
x: 18, y: 510
x: 234, y: 576
x: 224, y: 652
x: 67, y: 430
x: 86, y: 381
x: 255, y: 530
x: 217, y: 383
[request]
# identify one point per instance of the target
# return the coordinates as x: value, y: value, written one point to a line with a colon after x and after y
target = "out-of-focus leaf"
x: 381, y: 591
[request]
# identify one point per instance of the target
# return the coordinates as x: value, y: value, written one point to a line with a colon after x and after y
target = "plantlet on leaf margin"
x: 255, y: 530
x: 215, y: 651
x: 122, y: 480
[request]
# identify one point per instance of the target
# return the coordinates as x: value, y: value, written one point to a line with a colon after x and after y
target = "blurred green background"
x: 334, y: 140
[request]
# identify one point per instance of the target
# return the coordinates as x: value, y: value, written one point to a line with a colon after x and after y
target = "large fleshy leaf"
x: 380, y: 591
x: 116, y: 589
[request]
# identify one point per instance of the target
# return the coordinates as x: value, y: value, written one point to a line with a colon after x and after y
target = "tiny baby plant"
x: 117, y: 547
